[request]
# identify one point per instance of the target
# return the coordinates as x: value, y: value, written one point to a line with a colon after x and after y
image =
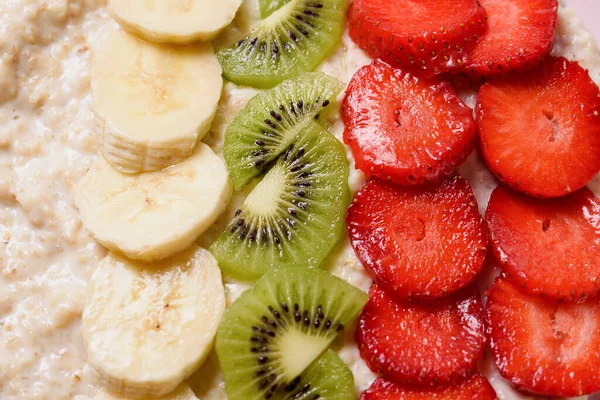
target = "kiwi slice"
x: 275, y: 330
x: 292, y: 40
x: 295, y: 215
x: 270, y: 122
x: 328, y: 378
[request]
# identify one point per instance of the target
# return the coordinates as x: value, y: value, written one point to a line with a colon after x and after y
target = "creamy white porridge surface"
x: 47, y: 142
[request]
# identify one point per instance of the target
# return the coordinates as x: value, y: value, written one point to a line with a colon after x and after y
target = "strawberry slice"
x: 542, y: 347
x: 432, y: 36
x: 549, y: 247
x: 540, y: 130
x: 403, y: 127
x: 520, y: 34
x: 427, y: 345
x: 418, y: 241
x: 475, y: 388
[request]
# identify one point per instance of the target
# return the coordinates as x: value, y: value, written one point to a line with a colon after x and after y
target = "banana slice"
x: 153, y: 215
x: 155, y: 102
x: 146, y: 328
x: 183, y: 392
x: 174, y: 21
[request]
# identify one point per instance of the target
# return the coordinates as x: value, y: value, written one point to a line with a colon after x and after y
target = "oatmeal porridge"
x: 48, y: 140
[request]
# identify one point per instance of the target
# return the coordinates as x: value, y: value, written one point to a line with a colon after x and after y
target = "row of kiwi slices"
x: 294, y: 37
x: 273, y: 341
x: 295, y: 214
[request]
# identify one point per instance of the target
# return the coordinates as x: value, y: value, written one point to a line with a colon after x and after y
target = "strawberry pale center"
x: 408, y: 116
x: 551, y: 125
x: 409, y: 229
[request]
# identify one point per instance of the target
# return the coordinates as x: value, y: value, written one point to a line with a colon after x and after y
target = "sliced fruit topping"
x: 271, y: 120
x: 418, y: 241
x: 180, y: 21
x: 542, y: 347
x: 155, y: 102
x: 422, y: 344
x: 276, y: 329
x: 540, y: 130
x: 146, y: 328
x: 183, y: 392
x: 403, y: 127
x: 295, y: 215
x: 475, y: 388
x: 292, y: 40
x: 328, y: 378
x: 520, y: 35
x: 153, y: 215
x: 549, y: 247
x: 430, y: 36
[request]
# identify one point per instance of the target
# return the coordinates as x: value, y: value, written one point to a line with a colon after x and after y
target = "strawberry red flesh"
x: 542, y: 347
x: 540, y: 130
x: 405, y: 128
x: 425, y: 345
x: 475, y: 388
x: 520, y: 34
x: 418, y: 241
x: 431, y: 36
x: 549, y: 247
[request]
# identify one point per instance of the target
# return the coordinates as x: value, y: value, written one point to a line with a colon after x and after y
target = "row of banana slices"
x: 155, y: 302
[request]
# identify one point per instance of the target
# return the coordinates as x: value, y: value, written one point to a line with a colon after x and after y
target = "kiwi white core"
x: 298, y: 350
x: 267, y: 194
x: 275, y: 20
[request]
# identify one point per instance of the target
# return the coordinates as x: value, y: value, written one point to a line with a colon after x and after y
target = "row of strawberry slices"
x: 424, y: 323
x: 415, y: 225
x: 478, y: 37
x: 539, y: 131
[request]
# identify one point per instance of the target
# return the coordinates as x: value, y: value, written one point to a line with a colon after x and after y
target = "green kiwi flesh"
x: 328, y: 378
x: 294, y: 39
x: 275, y: 330
x: 268, y: 7
x: 270, y: 122
x: 295, y: 215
